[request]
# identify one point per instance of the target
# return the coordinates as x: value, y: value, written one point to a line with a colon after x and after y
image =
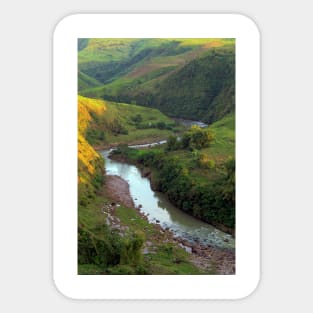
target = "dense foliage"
x: 195, y: 138
x: 204, y: 89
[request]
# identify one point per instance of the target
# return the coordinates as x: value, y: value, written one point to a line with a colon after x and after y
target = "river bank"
x: 207, y: 258
x: 148, y: 173
x: 118, y: 189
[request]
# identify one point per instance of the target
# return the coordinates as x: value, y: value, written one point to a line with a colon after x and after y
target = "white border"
x: 247, y: 156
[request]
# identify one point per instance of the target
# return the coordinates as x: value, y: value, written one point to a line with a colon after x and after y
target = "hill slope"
x: 191, y: 78
x: 86, y: 82
x: 111, y: 123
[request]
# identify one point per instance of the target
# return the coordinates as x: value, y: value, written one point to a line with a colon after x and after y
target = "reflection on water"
x: 159, y: 210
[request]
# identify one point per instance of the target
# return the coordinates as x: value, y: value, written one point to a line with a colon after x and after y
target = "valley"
x: 156, y: 194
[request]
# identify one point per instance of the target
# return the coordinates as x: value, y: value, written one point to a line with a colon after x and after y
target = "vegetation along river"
x: 158, y: 209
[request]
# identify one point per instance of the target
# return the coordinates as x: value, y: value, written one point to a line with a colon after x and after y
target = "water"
x: 145, y: 145
x: 159, y: 210
x: 190, y: 123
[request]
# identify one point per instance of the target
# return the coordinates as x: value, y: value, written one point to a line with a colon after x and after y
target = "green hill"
x: 86, y: 82
x: 106, y: 59
x: 204, y: 89
x: 111, y: 123
x: 191, y: 78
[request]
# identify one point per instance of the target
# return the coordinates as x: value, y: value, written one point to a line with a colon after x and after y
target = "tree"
x: 204, y: 161
x: 197, y: 138
x: 137, y: 118
x: 172, y: 143
x: 161, y: 125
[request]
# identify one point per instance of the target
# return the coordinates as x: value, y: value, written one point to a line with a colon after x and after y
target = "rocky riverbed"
x: 206, y: 257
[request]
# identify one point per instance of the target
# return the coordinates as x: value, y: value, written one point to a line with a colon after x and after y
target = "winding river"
x: 158, y: 209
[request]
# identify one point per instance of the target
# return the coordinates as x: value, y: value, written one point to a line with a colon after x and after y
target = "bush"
x: 161, y: 125
x: 197, y: 138
x: 205, y: 162
x: 116, y: 127
x: 131, y: 249
x: 172, y: 143
x: 137, y: 118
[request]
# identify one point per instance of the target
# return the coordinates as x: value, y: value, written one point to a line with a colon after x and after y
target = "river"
x: 158, y: 209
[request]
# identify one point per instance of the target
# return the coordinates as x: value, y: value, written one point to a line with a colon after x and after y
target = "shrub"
x: 172, y: 143
x: 137, y: 118
x: 131, y: 249
x: 205, y: 162
x: 197, y: 138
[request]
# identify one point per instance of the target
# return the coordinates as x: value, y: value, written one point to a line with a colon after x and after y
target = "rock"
x: 145, y: 251
x: 197, y: 250
x: 187, y: 249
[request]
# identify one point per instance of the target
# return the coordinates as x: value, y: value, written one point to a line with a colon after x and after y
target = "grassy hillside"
x: 86, y: 82
x: 90, y: 163
x: 114, y: 123
x: 106, y: 59
x: 190, y: 78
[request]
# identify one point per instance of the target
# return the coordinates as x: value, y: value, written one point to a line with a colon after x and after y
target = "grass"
x: 85, y: 82
x: 165, y: 258
x: 89, y: 269
x: 91, y: 214
x: 101, y: 115
x: 106, y: 49
x: 125, y: 112
x: 139, y: 136
x: 142, y: 58
x: 223, y: 145
x: 220, y: 150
